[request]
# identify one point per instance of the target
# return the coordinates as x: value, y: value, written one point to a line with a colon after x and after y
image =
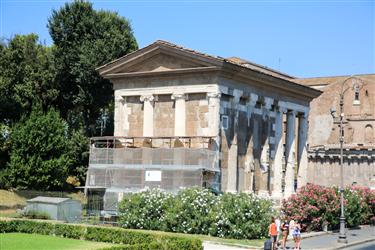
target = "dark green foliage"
x: 79, y: 155
x: 62, y: 77
x: 85, y: 39
x: 70, y: 231
x: 39, y: 157
x: 131, y: 239
x: 27, y: 77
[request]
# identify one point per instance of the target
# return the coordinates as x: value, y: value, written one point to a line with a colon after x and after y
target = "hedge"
x: 131, y: 239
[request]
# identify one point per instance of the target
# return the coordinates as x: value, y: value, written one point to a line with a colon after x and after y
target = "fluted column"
x: 278, y: 158
x: 180, y: 114
x: 290, y: 152
x: 148, y: 115
x: 302, y: 150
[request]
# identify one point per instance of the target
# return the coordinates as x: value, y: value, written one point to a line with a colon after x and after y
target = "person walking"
x: 278, y: 224
x: 296, y: 232
x: 272, y: 232
x: 285, y: 232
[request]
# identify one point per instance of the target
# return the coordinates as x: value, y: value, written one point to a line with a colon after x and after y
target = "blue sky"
x: 303, y: 38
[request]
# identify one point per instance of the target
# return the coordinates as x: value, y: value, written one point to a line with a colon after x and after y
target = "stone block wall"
x: 164, y: 116
x: 135, y: 116
x: 196, y: 115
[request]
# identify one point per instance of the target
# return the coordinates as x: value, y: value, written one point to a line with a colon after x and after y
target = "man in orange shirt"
x: 272, y: 232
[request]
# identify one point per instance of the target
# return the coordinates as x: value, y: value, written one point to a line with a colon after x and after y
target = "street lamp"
x: 356, y: 85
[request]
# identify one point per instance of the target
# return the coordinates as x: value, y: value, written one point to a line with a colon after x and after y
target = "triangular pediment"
x: 156, y: 58
x: 159, y: 62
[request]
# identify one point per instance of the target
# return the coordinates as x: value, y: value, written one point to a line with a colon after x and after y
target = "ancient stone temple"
x: 184, y: 118
x: 359, y: 134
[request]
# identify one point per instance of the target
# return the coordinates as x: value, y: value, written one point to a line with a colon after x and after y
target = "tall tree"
x: 27, y: 77
x: 85, y: 39
x: 40, y: 157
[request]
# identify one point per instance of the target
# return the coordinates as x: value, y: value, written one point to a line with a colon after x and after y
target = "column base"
x: 263, y: 194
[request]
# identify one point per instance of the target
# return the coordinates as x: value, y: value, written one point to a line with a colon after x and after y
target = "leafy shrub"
x: 242, y: 216
x: 144, y: 210
x: 198, y: 211
x: 32, y: 214
x: 130, y: 238
x: 314, y: 205
x: 193, y: 211
x: 70, y: 231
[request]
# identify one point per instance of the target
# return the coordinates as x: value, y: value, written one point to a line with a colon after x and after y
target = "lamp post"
x: 355, y: 85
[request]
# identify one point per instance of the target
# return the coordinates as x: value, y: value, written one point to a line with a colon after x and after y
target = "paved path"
x: 211, y: 246
x: 329, y: 241
x: 358, y: 239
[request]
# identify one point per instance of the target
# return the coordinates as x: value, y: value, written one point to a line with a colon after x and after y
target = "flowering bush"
x: 198, y: 211
x: 193, y: 211
x: 144, y: 210
x: 315, y: 205
x: 242, y: 216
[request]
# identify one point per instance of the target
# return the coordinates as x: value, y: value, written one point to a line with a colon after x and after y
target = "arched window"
x: 356, y: 96
x: 369, y: 134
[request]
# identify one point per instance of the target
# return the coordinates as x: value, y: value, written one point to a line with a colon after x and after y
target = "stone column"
x: 279, y: 154
x: 265, y: 153
x: 120, y: 116
x: 233, y: 150
x: 249, y: 164
x: 290, y: 151
x: 180, y: 114
x: 302, y: 150
x: 214, y: 113
x: 148, y: 115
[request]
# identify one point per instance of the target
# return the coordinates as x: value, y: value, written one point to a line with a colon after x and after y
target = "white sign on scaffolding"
x: 153, y: 175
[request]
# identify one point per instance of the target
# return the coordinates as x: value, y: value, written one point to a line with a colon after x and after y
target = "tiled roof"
x: 232, y: 60
x: 324, y: 81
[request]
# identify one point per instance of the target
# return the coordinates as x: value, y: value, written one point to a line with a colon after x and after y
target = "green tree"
x: 79, y: 155
x: 85, y: 39
x: 39, y: 157
x: 27, y: 77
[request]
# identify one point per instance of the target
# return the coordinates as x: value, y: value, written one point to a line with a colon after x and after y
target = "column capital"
x: 178, y: 96
x: 253, y: 98
x: 304, y: 115
x: 268, y: 102
x: 214, y: 94
x: 120, y: 99
x: 147, y: 98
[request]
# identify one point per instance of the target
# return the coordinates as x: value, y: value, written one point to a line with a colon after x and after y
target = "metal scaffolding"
x: 118, y: 167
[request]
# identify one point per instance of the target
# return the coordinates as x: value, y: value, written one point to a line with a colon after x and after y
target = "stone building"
x: 359, y: 134
x: 195, y: 119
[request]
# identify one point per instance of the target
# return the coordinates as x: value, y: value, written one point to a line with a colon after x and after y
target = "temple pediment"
x: 156, y: 58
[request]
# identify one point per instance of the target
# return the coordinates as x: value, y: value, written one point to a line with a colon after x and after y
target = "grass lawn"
x: 20, y: 241
x: 247, y: 243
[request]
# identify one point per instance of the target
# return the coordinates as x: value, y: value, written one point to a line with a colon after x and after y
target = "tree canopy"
x: 40, y: 152
x: 85, y: 39
x: 27, y: 76
x: 58, y: 94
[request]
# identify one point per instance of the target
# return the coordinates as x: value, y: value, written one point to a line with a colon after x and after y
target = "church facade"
x: 244, y: 125
x: 359, y: 133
